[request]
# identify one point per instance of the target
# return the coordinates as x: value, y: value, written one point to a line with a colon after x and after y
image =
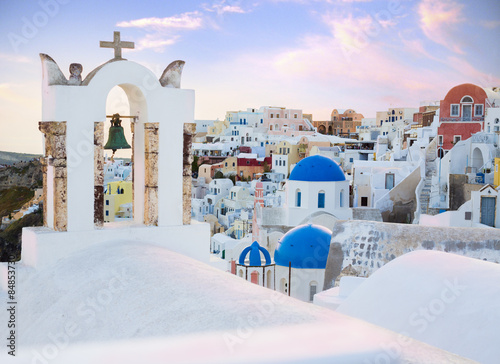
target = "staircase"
x: 430, y: 170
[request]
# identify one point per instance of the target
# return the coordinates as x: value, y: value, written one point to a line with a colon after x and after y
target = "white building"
x: 482, y: 210
x: 474, y: 157
x: 357, y: 151
x: 217, y: 189
x: 372, y: 180
x: 203, y: 125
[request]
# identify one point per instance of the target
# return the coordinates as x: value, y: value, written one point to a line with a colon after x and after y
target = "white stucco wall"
x: 300, y: 282
x: 309, y: 199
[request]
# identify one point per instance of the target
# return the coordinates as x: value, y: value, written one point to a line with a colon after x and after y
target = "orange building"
x: 342, y: 123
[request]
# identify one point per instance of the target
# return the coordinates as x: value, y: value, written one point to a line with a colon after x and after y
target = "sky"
x: 314, y: 55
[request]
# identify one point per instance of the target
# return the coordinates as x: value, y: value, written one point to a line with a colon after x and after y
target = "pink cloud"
x: 190, y: 20
x: 438, y: 20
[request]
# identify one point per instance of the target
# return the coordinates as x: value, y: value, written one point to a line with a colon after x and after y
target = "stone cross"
x: 117, y: 44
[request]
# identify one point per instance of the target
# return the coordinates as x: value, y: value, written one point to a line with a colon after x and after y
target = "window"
x: 440, y: 140
x: 288, y: 151
x: 276, y: 162
x: 286, y: 116
x: 270, y: 127
x: 107, y: 212
x: 107, y: 202
x: 261, y: 121
x: 272, y: 116
x: 298, y: 198
x: 295, y: 116
x: 276, y: 127
x: 277, y: 116
x: 364, y: 201
x: 467, y: 99
x: 468, y: 215
x: 226, y: 164
x: 341, y: 198
x: 454, y: 110
x: 457, y: 138
x: 312, y: 290
x: 393, y: 112
x: 351, y: 160
x: 321, y: 200
x: 478, y: 110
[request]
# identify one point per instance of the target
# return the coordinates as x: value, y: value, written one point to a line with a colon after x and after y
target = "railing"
x: 462, y: 119
x: 483, y: 138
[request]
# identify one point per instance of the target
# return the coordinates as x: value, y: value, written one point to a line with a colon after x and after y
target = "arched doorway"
x: 322, y: 129
x: 477, y: 159
x: 254, y: 277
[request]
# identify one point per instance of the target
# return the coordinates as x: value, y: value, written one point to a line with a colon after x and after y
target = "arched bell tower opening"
x: 124, y: 197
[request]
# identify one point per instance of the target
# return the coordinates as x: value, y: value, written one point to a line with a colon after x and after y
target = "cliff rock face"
x: 21, y: 174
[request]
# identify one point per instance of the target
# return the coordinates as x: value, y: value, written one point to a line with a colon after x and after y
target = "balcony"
x: 464, y: 119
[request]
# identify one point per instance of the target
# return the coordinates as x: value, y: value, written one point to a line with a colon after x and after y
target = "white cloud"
x: 14, y: 58
x: 490, y: 24
x: 156, y: 42
x: 222, y: 7
x: 189, y: 21
x: 438, y: 21
x: 163, y: 32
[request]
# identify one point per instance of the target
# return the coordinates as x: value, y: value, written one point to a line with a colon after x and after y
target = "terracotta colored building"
x: 462, y: 113
x: 424, y: 116
x: 341, y: 123
x: 249, y: 166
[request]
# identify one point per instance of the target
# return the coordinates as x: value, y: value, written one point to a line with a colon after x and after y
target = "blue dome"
x: 255, y: 260
x: 317, y: 168
x: 305, y: 246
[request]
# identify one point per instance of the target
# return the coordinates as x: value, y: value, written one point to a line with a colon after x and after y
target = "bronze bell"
x: 116, y: 137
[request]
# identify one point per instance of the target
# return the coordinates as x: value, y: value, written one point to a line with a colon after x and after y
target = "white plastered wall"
x: 301, y: 281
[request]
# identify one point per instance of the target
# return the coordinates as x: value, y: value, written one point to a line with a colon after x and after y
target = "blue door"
x: 488, y: 207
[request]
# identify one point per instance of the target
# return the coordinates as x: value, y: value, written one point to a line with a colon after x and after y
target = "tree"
x: 194, y: 165
x: 218, y: 175
x: 266, y: 167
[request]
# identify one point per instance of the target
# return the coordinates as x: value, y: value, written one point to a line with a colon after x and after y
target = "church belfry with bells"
x: 73, y: 121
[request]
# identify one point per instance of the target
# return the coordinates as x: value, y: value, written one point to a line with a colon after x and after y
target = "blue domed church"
x: 300, y: 258
x: 255, y: 265
x: 317, y: 184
